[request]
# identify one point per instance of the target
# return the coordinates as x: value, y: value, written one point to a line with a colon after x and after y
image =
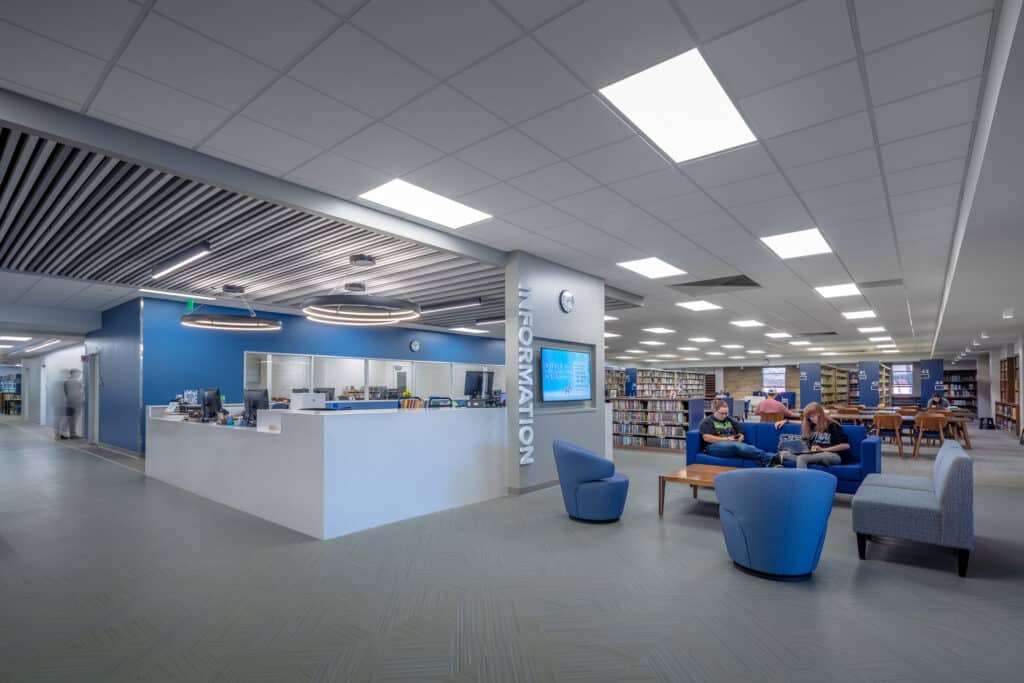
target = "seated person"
x: 773, y: 405
x: 938, y: 401
x: 722, y: 437
x: 823, y: 436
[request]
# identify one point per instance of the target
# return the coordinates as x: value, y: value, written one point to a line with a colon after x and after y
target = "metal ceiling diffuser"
x: 232, y: 322
x: 359, y: 310
x: 355, y: 287
x: 362, y: 260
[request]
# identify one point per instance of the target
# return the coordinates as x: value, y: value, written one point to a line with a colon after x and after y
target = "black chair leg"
x: 862, y: 545
x: 962, y: 556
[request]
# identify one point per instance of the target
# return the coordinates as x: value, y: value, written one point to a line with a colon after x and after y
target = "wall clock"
x: 414, y: 345
x: 567, y: 301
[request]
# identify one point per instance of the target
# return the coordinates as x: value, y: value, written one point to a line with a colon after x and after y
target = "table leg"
x: 694, y: 490
x: 967, y: 439
x: 661, y: 496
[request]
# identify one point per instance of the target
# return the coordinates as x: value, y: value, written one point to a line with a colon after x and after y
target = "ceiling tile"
x: 768, y: 186
x: 651, y: 187
x: 241, y: 138
x: 577, y: 127
x: 343, y: 8
x: 519, y: 82
x: 729, y: 167
x: 885, y: 23
x: 553, y: 182
x: 442, y: 36
x: 35, y: 65
x: 924, y: 177
x: 339, y: 176
x: 51, y: 292
x: 776, y: 49
x: 822, y: 269
x: 835, y: 138
x: 305, y: 113
x: 500, y: 235
x: 382, y: 82
x: 935, y: 59
x: 132, y: 101
x: 507, y: 155
x: 852, y: 213
x: 446, y: 119
x: 926, y: 199
x: 835, y: 171
x: 450, y: 177
x: 593, y: 241
x: 14, y: 285
x: 847, y: 194
x: 620, y: 160
x: 96, y: 27
x: 811, y: 100
x: 606, y: 40
x: 498, y: 200
x: 622, y: 221
x: 530, y: 13
x: 591, y: 203
x: 935, y: 223
x: 275, y: 32
x: 929, y: 111
x: 782, y: 214
x: 539, y: 218
x: 386, y: 149
x: 942, y: 145
x: 712, y: 18
x: 677, y: 211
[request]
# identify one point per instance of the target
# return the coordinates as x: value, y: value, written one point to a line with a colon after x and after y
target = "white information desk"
x: 327, y: 473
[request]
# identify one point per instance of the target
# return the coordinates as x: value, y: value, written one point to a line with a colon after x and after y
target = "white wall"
x: 46, y: 407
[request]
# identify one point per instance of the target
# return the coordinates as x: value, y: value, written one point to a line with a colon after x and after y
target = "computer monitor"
x: 209, y: 399
x: 477, y: 383
x: 328, y: 392
x: 255, y: 399
x: 301, y: 390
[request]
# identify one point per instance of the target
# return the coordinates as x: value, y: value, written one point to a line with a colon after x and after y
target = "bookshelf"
x: 664, y: 383
x: 853, y: 388
x: 614, y: 382
x: 1007, y: 409
x: 10, y: 394
x: 835, y: 385
x: 653, y: 423
x: 884, y: 385
x: 962, y: 389
x: 710, y: 386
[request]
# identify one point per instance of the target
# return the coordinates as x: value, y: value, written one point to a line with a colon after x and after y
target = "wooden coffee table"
x: 697, y: 476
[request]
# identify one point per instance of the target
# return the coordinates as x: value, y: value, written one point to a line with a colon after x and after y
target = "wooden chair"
x: 908, y: 410
x: 773, y: 417
x: 890, y: 427
x: 928, y: 427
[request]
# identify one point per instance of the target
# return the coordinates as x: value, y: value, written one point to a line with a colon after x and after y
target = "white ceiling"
x: 865, y: 113
x: 50, y: 292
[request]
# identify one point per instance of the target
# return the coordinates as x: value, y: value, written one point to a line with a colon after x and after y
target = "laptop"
x: 793, y: 443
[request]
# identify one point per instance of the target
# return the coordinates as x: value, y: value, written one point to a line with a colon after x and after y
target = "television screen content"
x: 565, y: 375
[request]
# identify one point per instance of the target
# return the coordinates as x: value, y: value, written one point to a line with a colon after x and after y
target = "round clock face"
x: 567, y: 300
x: 414, y: 345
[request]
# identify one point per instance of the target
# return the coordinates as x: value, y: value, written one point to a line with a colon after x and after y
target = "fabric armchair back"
x: 953, y: 475
x: 591, y: 490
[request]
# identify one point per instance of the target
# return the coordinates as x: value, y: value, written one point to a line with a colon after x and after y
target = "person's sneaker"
x: 776, y: 461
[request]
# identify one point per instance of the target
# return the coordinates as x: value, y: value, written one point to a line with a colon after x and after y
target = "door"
x: 92, y: 398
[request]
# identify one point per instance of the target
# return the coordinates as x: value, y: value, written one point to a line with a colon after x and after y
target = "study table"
x: 327, y: 473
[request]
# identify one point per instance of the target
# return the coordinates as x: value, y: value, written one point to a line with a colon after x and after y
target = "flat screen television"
x: 565, y: 375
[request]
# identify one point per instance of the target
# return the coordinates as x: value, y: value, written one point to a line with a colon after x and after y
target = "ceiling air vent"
x: 355, y: 287
x: 880, y: 283
x: 362, y: 260
x: 717, y: 285
x: 831, y: 333
x: 233, y: 289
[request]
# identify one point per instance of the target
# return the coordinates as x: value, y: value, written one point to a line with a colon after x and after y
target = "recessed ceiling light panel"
x: 880, y: 339
x: 699, y: 305
x: 659, y: 330
x: 651, y: 343
x: 701, y: 340
x: 652, y: 268
x: 608, y: 318
x: 834, y: 291
x: 869, y: 330
x: 747, y: 323
x: 789, y: 245
x: 609, y: 335
x: 681, y: 107
x: 799, y: 343
x: 416, y: 201
x: 778, y: 335
x: 859, y: 315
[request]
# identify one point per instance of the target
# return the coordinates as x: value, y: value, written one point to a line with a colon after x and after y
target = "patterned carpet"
x: 106, y: 576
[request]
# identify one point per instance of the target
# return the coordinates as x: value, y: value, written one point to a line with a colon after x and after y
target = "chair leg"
x: 962, y: 556
x: 917, y: 445
x: 899, y: 444
x: 862, y: 545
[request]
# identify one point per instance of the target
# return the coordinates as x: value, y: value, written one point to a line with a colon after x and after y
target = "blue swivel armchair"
x: 774, y: 520
x: 591, y: 489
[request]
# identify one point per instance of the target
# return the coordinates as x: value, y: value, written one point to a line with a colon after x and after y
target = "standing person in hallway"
x: 722, y: 437
x: 74, y: 399
x: 823, y: 436
x: 773, y: 405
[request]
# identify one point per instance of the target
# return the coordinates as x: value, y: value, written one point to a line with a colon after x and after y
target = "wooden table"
x: 957, y: 423
x: 697, y: 476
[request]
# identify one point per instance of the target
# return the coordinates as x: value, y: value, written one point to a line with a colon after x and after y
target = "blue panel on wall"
x: 810, y: 383
x: 930, y: 373
x: 630, y: 381
x: 867, y: 381
x: 117, y: 344
x: 178, y: 358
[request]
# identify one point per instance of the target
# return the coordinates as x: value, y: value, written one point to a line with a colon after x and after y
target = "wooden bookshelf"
x: 614, y: 382
x: 962, y: 389
x: 653, y: 423
x: 884, y: 385
x: 1007, y: 409
x: 710, y: 386
x: 669, y: 383
x: 835, y: 385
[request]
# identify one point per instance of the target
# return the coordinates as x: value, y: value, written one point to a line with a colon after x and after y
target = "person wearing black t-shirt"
x: 722, y: 437
x: 824, y: 437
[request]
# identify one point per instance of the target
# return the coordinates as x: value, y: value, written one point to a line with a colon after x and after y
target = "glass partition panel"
x: 287, y: 373
x: 499, y: 377
x: 431, y: 379
x: 345, y: 378
x: 387, y: 379
x: 256, y: 368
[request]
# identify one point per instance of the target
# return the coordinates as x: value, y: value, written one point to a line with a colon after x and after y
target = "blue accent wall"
x: 930, y: 377
x: 810, y: 383
x: 117, y: 344
x: 178, y: 358
x: 867, y: 378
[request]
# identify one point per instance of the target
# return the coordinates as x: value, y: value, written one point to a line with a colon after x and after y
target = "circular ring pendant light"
x: 359, y: 309
x: 227, y: 322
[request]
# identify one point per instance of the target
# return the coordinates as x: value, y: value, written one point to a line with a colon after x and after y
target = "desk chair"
x: 928, y: 427
x: 890, y: 427
x: 772, y: 418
